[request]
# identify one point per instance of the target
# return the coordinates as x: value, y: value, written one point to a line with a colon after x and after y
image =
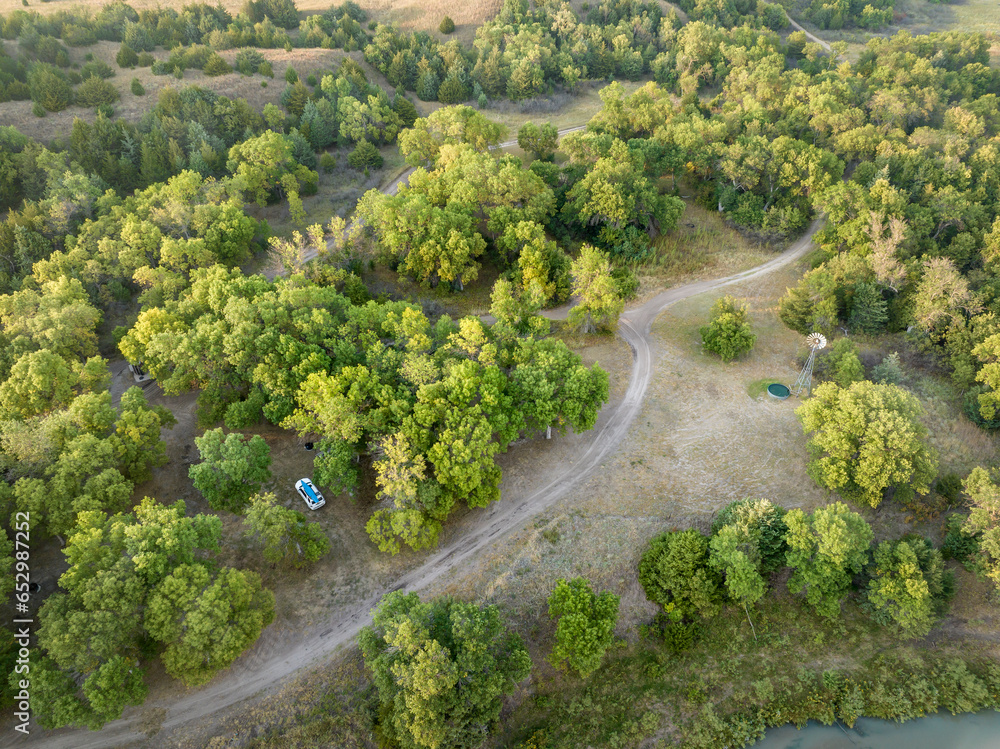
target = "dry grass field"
x: 131, y: 107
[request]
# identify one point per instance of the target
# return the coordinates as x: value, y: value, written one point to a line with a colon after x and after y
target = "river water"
x: 938, y: 731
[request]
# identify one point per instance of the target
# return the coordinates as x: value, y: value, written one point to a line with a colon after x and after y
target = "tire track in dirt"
x: 258, y: 670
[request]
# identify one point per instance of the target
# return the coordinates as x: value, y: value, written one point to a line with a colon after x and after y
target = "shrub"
x: 248, y: 60
x: 78, y: 36
x: 96, y: 91
x: 328, y: 162
x: 290, y: 75
x: 265, y: 70
x: 145, y: 60
x: 311, y: 80
x: 447, y: 25
x: 49, y: 89
x: 728, y: 333
x: 137, y: 88
x: 98, y: 68
x: 364, y: 155
x: 215, y: 65
x: 127, y: 57
x: 37, y: 109
x: 626, y: 281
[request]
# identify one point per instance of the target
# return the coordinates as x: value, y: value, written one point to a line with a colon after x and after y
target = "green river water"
x: 939, y: 731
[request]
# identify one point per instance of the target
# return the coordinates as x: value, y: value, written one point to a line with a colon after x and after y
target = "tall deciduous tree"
x: 825, y: 550
x: 441, y: 669
x: 675, y: 573
x: 599, y: 304
x: 868, y: 439
x: 984, y: 521
x: 541, y: 140
x: 232, y: 468
x: 206, y: 620
x: 909, y: 585
x: 586, y: 624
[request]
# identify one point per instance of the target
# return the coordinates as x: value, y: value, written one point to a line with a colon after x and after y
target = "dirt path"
x: 809, y: 35
x: 253, y: 673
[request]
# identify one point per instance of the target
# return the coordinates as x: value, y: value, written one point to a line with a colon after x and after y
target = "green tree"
x: 761, y: 529
x: 441, y: 669
x: 232, y: 468
x: 207, y: 620
x: 92, y: 634
x: 728, y: 332
x: 39, y: 382
x: 447, y: 26
x: 984, y: 521
x: 285, y: 535
x: 616, y: 193
x: 675, y: 573
x: 868, y: 440
x: 869, y: 309
x: 909, y: 585
x: 452, y: 91
x: 538, y: 140
x: 598, y: 304
x: 586, y: 625
x: 842, y: 363
x: 825, y: 550
x: 49, y: 88
x: 126, y: 57
x: 365, y: 155
x: 136, y: 439
x: 96, y: 91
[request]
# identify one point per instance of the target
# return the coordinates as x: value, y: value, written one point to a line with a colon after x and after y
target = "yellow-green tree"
x: 867, y: 441
x: 441, y: 669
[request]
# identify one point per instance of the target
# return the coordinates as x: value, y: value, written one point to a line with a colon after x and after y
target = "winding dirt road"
x: 240, y: 683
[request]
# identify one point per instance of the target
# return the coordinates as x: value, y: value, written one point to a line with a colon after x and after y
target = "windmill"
x: 815, y: 341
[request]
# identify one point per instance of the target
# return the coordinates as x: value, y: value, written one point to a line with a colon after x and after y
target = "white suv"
x: 310, y: 494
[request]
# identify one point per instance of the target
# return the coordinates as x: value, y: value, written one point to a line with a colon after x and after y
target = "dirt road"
x: 251, y: 675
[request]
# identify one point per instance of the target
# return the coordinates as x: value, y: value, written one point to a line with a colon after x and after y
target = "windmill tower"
x: 815, y: 341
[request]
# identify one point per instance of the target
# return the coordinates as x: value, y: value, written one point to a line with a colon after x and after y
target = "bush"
x: 728, y: 333
x: 328, y: 162
x: 96, y: 91
x: 626, y: 281
x: 290, y: 75
x: 265, y: 70
x: 137, y: 88
x: 49, y: 88
x: 248, y: 61
x: 37, y: 109
x: 215, y: 65
x: 365, y: 155
x: 145, y: 60
x: 447, y: 25
x: 98, y: 68
x: 311, y: 80
x: 127, y: 57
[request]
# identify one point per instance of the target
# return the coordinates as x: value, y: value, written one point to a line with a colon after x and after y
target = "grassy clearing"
x: 131, y: 107
x: 702, y: 245
x: 922, y: 16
